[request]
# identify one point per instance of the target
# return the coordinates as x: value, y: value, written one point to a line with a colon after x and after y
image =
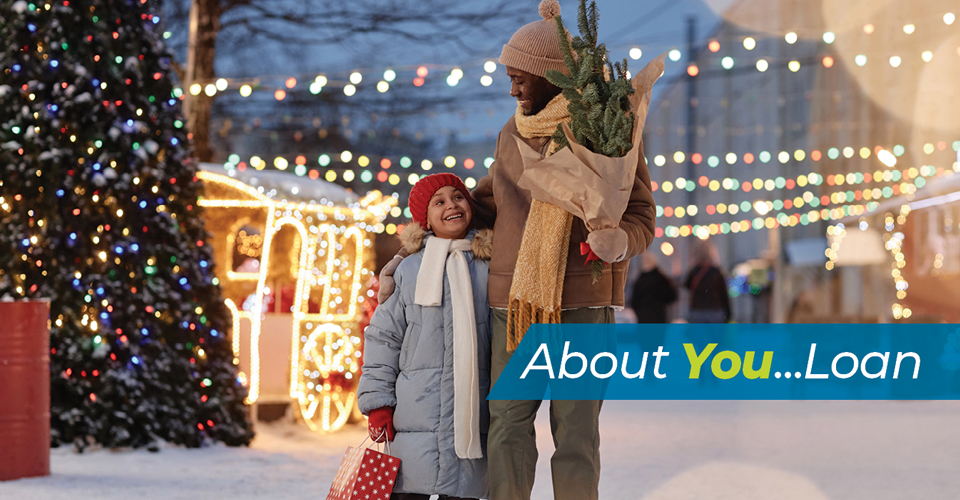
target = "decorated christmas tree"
x: 98, y: 204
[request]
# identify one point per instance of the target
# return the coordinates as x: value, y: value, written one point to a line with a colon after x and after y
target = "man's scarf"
x: 537, y: 287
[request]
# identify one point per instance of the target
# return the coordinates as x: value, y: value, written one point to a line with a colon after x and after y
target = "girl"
x: 426, y: 360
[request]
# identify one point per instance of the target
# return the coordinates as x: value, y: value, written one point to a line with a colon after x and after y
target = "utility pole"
x: 691, y: 105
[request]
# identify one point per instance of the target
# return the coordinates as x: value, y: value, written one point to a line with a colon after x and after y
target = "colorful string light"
x: 808, y: 197
x: 327, y: 161
x: 782, y: 219
x: 353, y: 78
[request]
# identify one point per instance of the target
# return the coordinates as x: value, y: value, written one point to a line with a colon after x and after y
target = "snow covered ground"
x: 650, y: 451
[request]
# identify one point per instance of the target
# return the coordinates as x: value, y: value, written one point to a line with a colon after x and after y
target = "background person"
x: 653, y: 292
x: 709, y: 299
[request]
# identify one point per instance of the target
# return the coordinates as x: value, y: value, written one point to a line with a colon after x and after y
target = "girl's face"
x: 449, y: 213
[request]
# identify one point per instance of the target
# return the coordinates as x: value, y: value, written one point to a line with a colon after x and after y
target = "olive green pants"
x: 512, y: 441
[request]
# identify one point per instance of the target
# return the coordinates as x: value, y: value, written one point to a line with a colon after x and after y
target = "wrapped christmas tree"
x: 592, y: 175
x: 98, y: 201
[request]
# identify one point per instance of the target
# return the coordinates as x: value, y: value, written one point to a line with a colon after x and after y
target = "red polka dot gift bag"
x: 365, y: 474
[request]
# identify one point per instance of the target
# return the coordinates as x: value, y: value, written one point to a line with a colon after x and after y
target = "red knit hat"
x: 424, y: 189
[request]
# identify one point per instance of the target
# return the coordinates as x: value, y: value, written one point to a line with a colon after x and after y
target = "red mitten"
x: 380, y: 424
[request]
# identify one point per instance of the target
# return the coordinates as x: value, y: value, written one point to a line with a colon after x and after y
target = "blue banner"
x: 734, y: 362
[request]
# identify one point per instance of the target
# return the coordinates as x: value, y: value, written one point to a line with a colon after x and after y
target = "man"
x: 500, y: 202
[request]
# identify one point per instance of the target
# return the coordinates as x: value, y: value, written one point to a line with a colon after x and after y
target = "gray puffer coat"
x: 408, y: 364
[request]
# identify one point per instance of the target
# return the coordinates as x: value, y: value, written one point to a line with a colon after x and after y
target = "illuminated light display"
x: 894, y: 244
x: 330, y: 261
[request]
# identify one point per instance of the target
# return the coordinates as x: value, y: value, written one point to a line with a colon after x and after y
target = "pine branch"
x: 568, y: 58
x: 583, y: 24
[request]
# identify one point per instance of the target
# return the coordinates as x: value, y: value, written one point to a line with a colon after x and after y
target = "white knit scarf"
x: 466, y: 373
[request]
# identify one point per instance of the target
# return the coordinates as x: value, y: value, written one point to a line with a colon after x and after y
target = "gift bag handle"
x: 377, y: 445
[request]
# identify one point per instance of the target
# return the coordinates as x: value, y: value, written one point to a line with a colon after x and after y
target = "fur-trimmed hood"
x: 412, y: 238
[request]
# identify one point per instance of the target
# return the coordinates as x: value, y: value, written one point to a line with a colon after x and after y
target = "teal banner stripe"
x: 734, y: 362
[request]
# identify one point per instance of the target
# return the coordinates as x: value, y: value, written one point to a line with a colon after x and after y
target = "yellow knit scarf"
x: 537, y: 287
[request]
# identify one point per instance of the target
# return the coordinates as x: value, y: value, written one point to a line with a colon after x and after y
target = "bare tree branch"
x: 242, y: 28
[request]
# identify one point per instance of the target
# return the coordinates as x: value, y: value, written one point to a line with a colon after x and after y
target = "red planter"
x: 24, y: 389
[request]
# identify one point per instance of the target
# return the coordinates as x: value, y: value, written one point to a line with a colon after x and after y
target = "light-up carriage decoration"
x: 293, y: 258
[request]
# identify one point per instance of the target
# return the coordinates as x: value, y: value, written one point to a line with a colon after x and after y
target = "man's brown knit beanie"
x: 535, y: 47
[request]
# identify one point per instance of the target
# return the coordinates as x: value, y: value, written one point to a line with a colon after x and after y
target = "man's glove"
x: 380, y: 424
x: 609, y: 244
x: 387, y: 284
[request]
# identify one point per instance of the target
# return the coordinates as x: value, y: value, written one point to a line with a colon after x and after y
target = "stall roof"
x: 286, y: 186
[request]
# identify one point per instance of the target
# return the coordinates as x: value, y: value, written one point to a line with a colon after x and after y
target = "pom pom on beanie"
x: 549, y: 9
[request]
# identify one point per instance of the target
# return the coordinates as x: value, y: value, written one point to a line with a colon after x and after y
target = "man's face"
x: 532, y: 92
